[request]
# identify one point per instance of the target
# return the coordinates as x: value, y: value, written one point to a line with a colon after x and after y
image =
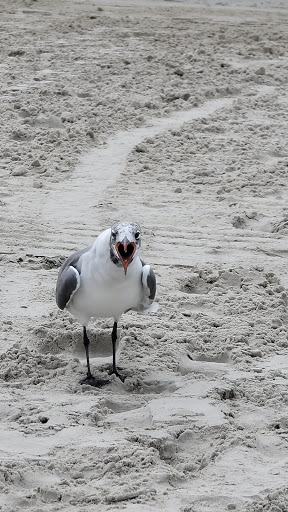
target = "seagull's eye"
x: 137, y: 235
x: 113, y: 235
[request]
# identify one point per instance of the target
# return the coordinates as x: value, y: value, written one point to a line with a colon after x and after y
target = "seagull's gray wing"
x: 148, y: 280
x: 69, y: 278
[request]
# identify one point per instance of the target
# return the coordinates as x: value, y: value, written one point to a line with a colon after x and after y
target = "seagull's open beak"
x: 126, y: 251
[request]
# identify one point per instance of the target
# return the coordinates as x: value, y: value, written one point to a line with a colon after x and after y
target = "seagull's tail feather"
x: 153, y: 308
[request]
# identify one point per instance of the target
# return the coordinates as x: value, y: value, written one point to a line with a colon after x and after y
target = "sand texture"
x: 173, y: 115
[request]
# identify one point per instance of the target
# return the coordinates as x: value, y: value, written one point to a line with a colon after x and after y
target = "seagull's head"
x: 125, y: 241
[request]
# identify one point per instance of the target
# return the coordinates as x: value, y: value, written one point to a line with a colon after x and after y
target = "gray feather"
x: 69, y: 278
x: 151, y: 283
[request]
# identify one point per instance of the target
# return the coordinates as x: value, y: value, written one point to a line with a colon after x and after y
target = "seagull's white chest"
x: 105, y: 291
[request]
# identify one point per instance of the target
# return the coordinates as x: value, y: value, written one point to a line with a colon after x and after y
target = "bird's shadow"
x: 100, y: 343
x: 68, y: 339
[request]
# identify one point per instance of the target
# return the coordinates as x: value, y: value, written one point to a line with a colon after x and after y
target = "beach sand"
x: 172, y: 115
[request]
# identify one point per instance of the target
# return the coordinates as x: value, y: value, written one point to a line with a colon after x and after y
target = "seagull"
x: 106, y: 280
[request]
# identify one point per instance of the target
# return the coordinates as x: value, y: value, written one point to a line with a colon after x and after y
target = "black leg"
x: 86, y: 345
x: 90, y: 380
x: 114, y: 340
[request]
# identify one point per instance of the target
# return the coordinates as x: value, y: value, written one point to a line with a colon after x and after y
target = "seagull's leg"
x: 86, y: 342
x: 114, y: 340
x: 92, y: 381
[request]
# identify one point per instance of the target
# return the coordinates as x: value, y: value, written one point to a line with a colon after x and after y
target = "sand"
x: 173, y: 115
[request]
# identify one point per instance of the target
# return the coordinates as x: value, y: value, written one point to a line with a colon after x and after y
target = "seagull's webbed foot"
x: 119, y: 375
x: 96, y: 382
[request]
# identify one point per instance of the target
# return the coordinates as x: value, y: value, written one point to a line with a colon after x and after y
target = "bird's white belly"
x: 101, y: 299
